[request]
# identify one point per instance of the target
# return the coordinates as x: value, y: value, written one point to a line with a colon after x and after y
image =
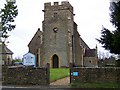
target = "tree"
x: 7, y: 15
x: 111, y: 40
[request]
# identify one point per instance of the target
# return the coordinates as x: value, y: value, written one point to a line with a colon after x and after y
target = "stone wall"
x: 77, y: 48
x: 96, y: 75
x: 90, y: 62
x: 25, y: 76
x: 35, y: 46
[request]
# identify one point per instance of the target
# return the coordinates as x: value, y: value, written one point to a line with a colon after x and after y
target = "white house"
x: 29, y: 59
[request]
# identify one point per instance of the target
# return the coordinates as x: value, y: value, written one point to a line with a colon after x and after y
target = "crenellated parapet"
x: 64, y: 5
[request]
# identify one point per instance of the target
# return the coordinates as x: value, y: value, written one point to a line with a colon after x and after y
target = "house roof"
x: 4, y: 49
x: 38, y: 33
x: 8, y: 51
x: 84, y: 44
x: 90, y: 53
x: 28, y: 54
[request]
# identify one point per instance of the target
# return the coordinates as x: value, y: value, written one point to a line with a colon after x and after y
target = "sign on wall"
x: 75, y: 73
x: 29, y: 59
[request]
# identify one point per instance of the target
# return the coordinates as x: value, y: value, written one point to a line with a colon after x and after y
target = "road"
x: 35, y: 89
x: 39, y: 88
x: 50, y: 87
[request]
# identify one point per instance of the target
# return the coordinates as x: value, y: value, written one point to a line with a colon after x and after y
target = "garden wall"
x: 26, y: 76
x: 95, y: 75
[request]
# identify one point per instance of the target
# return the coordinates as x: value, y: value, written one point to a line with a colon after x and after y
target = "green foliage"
x: 7, y: 15
x: 111, y: 40
x: 115, y: 14
x: 106, y: 38
x: 58, y: 73
x: 95, y: 85
x: 118, y: 63
x: 17, y: 60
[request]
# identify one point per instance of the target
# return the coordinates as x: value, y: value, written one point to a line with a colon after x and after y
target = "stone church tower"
x: 57, y: 34
x: 59, y: 42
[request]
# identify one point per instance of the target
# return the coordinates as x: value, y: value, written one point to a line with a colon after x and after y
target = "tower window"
x: 55, y: 15
x: 55, y: 29
x: 38, y: 36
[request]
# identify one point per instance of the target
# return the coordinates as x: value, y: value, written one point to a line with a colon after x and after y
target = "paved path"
x: 63, y: 82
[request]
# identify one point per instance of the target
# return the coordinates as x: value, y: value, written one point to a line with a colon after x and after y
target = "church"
x: 59, y: 42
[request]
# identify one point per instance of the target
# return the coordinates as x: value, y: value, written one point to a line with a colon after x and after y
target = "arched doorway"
x: 55, y: 61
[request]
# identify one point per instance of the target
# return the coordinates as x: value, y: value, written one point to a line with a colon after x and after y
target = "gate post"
x: 71, y: 66
x: 48, y: 73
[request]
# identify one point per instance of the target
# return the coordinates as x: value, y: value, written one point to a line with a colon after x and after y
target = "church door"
x: 55, y: 61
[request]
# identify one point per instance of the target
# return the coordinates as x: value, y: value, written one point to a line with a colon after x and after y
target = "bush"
x: 118, y: 63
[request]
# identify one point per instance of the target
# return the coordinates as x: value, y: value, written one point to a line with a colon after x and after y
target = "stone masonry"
x: 59, y: 42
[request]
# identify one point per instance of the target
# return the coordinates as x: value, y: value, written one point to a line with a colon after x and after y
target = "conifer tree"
x: 111, y: 39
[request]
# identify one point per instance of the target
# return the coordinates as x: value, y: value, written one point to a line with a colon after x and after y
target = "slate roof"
x: 84, y: 44
x: 5, y: 50
x: 90, y: 53
x: 8, y: 51
x: 37, y: 34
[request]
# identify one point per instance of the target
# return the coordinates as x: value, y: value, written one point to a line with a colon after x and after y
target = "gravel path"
x: 64, y: 82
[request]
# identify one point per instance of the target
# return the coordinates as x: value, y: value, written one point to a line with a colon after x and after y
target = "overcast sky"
x: 90, y: 15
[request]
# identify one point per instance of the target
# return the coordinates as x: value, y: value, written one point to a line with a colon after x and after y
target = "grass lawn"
x: 58, y: 73
x: 95, y: 85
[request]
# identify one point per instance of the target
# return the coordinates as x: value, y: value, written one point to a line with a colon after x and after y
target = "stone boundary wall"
x: 95, y: 75
x: 26, y: 76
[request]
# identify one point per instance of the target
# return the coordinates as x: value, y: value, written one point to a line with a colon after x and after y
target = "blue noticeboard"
x: 29, y: 59
x: 75, y: 73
